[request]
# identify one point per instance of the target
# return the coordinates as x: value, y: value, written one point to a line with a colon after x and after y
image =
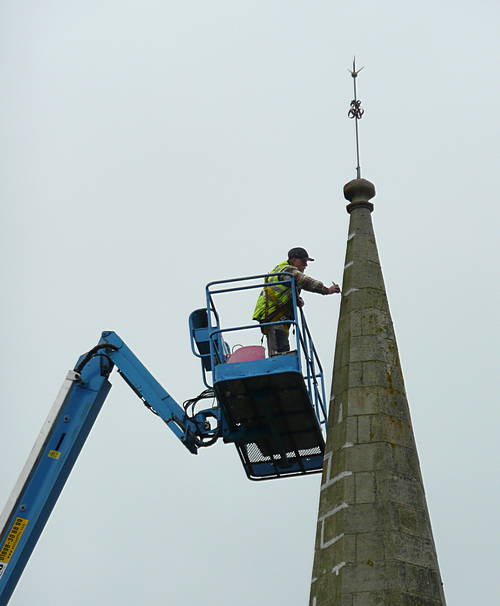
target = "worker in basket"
x: 275, y: 301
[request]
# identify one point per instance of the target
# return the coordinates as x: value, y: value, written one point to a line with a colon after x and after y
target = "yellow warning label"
x: 13, y: 538
x: 54, y: 454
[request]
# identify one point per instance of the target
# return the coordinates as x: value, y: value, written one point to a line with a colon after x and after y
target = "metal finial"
x: 356, y: 112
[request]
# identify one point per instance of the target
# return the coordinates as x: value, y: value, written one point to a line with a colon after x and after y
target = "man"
x: 275, y: 301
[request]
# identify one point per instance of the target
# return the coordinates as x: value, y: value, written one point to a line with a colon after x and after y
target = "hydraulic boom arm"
x: 62, y: 437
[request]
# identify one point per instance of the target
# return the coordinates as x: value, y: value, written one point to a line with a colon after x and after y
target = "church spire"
x: 374, y: 543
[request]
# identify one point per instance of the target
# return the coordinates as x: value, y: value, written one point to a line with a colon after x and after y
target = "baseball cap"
x: 299, y: 253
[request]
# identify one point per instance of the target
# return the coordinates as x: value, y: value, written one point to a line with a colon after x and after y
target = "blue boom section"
x: 142, y: 382
x: 61, y: 440
x: 48, y: 468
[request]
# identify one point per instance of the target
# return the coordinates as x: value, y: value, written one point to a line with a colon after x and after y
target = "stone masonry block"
x: 351, y: 434
x: 390, y: 350
x: 375, y: 400
x: 337, y: 546
x: 406, y: 462
x: 364, y: 249
x: 410, y: 549
x: 366, y: 274
x: 326, y: 466
x: 368, y: 457
x: 365, y: 401
x: 370, y: 373
x: 367, y: 348
x: 359, y: 518
x: 394, y: 376
x: 365, y: 487
x: 364, y: 428
x: 337, y: 495
x: 370, y: 548
x: 338, y: 461
x: 375, y: 374
x: 361, y: 222
x: 339, y: 382
x: 334, y: 437
x: 355, y: 374
x: 340, y: 435
x: 355, y: 323
x: 377, y: 322
x: 370, y: 578
x: 326, y: 588
x: 331, y: 407
x: 340, y: 411
x: 342, y: 354
x: 413, y: 520
x: 385, y: 428
x: 349, y: 549
x: 339, y: 359
x: 416, y: 580
x: 349, y: 521
x: 335, y: 492
x: 331, y: 538
x: 332, y: 541
x: 316, y: 571
x: 381, y: 587
x: 398, y: 404
x: 366, y: 298
x: 397, y: 488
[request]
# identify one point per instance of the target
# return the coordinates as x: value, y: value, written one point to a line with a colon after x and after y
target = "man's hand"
x: 300, y: 302
x: 334, y: 288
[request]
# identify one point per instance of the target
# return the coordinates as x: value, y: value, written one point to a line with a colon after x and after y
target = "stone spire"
x: 374, y: 544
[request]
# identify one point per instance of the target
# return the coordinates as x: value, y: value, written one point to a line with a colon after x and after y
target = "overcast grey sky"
x: 149, y: 147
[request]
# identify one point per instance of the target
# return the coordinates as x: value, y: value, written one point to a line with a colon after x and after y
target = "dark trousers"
x: 277, y: 339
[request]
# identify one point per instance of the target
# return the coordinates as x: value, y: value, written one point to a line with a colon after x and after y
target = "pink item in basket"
x: 247, y: 354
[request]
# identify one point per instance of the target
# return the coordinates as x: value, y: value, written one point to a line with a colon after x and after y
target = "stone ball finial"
x: 359, y: 192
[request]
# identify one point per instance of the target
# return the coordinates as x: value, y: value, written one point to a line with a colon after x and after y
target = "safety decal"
x: 10, y: 543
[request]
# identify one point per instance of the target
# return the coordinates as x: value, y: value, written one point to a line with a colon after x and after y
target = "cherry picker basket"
x: 273, y: 409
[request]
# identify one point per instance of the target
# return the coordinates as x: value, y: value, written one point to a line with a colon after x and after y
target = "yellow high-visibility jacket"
x: 274, y: 302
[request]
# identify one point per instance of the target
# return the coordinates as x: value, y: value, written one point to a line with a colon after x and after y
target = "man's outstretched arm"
x: 311, y: 285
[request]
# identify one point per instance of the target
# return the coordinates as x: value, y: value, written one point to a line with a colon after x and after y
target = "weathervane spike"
x: 356, y: 112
